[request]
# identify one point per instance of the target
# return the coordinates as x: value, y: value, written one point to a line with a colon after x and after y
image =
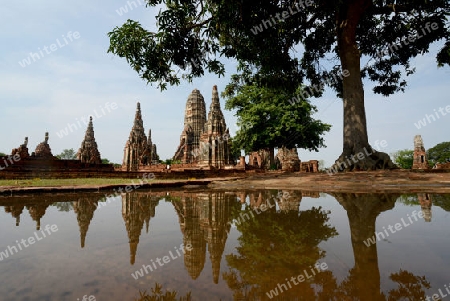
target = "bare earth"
x: 355, y: 182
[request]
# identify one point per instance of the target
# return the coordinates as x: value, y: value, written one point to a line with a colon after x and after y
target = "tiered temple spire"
x: 204, y: 140
x: 138, y: 150
x: 194, y: 122
x: 88, y: 152
x: 214, y: 146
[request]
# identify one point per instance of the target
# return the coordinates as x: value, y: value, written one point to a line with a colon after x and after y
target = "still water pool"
x: 220, y: 245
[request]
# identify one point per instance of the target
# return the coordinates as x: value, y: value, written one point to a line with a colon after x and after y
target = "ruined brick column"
x: 420, y: 156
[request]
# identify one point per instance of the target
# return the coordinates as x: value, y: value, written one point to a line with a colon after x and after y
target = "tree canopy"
x: 268, y: 118
x: 67, y: 154
x: 440, y: 153
x: 404, y: 158
x: 285, y: 44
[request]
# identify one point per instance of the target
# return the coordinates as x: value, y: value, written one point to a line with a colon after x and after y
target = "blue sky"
x: 76, y: 77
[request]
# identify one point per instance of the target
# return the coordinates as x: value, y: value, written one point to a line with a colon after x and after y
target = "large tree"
x: 404, y: 158
x: 287, y: 43
x: 440, y: 153
x: 269, y: 118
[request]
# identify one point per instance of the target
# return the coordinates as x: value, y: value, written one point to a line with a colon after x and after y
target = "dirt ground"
x: 357, y: 182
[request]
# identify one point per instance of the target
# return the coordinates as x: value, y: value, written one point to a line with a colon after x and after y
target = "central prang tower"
x: 194, y: 122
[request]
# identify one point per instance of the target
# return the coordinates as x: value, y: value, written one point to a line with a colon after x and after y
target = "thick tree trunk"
x: 357, y: 154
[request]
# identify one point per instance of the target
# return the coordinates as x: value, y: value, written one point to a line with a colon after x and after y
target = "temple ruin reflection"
x: 137, y: 209
x: 84, y: 209
x: 205, y: 223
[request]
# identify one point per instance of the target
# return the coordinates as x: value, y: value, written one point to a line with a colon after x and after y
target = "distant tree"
x: 404, y: 158
x: 2, y: 154
x: 167, y: 161
x: 105, y: 161
x: 235, y: 149
x: 63, y: 206
x: 440, y: 153
x: 67, y: 154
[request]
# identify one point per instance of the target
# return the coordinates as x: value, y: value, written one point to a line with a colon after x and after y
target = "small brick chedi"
x: 420, y: 156
x: 138, y: 150
x: 204, y: 141
x: 43, y: 149
x: 22, y: 150
x: 88, y: 152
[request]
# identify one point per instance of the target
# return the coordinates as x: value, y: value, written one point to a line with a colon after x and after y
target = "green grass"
x: 73, y: 182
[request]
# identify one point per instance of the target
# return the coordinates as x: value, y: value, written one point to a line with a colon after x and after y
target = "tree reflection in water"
x: 276, y: 245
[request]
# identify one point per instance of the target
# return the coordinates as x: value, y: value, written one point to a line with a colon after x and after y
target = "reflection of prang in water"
x: 84, y: 209
x: 204, y: 220
x: 137, y: 209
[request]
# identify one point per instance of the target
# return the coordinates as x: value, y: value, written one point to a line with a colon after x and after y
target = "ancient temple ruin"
x: 43, y: 149
x: 420, y: 156
x: 214, y: 146
x: 287, y: 159
x: 138, y: 149
x: 22, y: 150
x: 194, y: 121
x: 260, y: 159
x: 204, y: 140
x: 88, y: 152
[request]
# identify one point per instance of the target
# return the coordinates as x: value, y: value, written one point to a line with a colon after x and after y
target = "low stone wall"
x: 72, y: 174
x: 443, y: 166
x: 31, y: 164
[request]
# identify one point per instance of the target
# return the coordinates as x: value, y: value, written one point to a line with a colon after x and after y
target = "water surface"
x: 218, y: 245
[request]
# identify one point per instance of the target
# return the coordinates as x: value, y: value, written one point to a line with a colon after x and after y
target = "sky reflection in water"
x: 245, y: 245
